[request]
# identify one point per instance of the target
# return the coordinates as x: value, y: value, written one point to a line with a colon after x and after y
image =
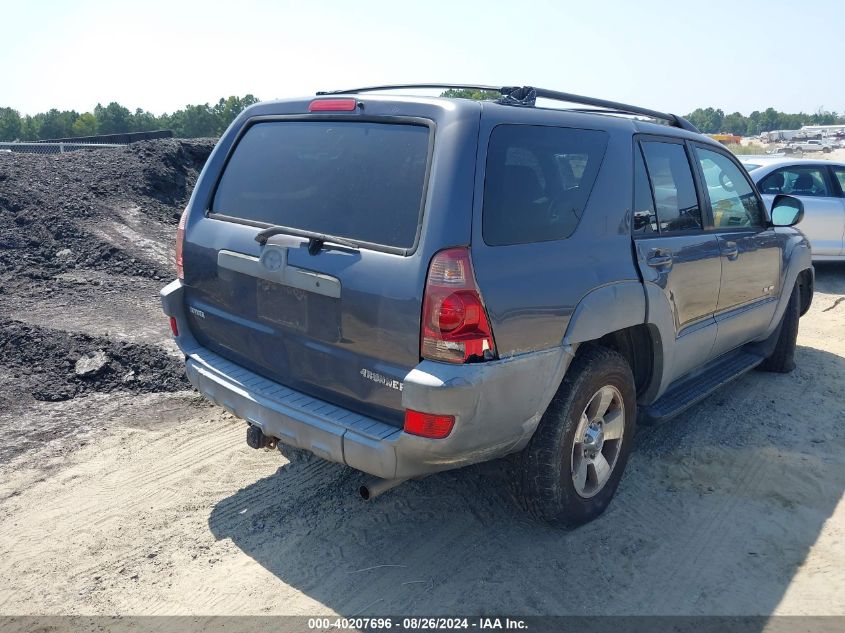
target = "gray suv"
x: 409, y: 284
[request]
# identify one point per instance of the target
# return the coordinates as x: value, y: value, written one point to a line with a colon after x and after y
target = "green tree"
x: 112, y: 119
x: 85, y: 125
x: 56, y: 124
x: 29, y: 128
x: 769, y: 120
x: 823, y: 117
x: 227, y: 109
x: 143, y: 121
x: 10, y: 124
x: 195, y: 121
x: 735, y: 123
x: 466, y: 93
x: 708, y: 120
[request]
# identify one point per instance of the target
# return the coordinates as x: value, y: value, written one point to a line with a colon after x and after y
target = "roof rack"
x: 526, y: 96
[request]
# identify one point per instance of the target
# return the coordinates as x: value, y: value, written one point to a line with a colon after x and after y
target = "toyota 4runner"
x: 408, y: 284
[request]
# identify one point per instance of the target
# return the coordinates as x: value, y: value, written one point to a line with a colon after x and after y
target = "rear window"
x: 363, y: 181
x: 537, y: 182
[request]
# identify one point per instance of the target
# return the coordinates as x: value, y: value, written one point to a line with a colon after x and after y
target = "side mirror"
x: 786, y: 210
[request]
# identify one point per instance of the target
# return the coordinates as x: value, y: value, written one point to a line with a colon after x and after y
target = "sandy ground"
x: 154, y: 504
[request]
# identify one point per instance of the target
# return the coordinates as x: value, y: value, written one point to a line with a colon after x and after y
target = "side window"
x: 796, y: 181
x: 645, y: 218
x: 732, y: 198
x: 537, y: 182
x: 672, y: 186
x: 839, y: 172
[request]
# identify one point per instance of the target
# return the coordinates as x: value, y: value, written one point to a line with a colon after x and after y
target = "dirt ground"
x: 134, y: 496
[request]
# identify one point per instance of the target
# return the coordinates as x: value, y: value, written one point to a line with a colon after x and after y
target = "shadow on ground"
x: 715, y: 515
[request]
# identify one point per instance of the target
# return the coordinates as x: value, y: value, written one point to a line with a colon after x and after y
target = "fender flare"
x: 598, y: 312
x: 798, y: 260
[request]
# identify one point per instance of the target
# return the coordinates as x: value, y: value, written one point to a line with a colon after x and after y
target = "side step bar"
x: 688, y: 391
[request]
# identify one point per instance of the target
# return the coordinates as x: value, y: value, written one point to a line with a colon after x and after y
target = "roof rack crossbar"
x: 611, y: 107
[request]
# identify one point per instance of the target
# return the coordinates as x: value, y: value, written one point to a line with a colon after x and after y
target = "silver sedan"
x: 820, y: 185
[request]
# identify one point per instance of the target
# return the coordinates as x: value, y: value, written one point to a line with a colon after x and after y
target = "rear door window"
x: 537, y: 182
x: 358, y: 180
x: 645, y: 217
x: 673, y: 186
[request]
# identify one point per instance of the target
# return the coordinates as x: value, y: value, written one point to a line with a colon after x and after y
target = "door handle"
x: 658, y: 259
x: 730, y: 250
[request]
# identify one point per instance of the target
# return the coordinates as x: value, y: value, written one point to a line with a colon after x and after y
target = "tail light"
x: 333, y: 105
x: 428, y: 424
x: 455, y: 327
x: 180, y: 242
x: 174, y: 328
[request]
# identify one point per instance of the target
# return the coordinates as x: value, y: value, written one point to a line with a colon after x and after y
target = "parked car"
x: 407, y: 285
x: 820, y: 185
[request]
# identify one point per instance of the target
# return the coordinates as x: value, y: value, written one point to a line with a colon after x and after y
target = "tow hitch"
x: 255, y: 438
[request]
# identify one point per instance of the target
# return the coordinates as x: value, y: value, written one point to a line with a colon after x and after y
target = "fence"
x: 52, y: 148
x: 119, y: 139
x: 62, y: 145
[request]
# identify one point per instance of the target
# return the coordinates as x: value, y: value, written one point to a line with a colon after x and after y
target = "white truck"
x: 809, y: 145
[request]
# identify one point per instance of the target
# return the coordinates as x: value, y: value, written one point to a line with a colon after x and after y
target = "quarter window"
x: 672, y: 186
x: 732, y: 199
x: 538, y: 181
x: 796, y: 181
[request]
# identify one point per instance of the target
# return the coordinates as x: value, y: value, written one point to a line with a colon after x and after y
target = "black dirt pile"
x: 52, y: 365
x: 46, y: 203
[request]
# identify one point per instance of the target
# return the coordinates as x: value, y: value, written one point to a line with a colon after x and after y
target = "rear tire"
x: 782, y: 359
x: 565, y: 476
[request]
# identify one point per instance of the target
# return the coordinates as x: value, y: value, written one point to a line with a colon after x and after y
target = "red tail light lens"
x: 428, y: 424
x: 332, y: 105
x: 180, y: 242
x: 455, y: 327
x: 173, y: 327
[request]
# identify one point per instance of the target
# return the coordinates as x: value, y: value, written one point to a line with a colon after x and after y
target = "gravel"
x: 54, y: 365
x: 74, y: 229
x: 46, y: 203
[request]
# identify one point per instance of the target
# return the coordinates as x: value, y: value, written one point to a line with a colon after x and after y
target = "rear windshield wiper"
x: 316, y: 241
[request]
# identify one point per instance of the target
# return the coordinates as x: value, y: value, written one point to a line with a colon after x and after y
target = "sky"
x: 738, y: 55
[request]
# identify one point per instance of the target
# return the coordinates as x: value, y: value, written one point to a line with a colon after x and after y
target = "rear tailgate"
x: 340, y: 323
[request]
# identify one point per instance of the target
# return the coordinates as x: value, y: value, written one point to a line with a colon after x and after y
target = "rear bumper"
x: 497, y: 406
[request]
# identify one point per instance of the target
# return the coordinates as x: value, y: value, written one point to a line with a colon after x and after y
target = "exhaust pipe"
x: 374, y: 487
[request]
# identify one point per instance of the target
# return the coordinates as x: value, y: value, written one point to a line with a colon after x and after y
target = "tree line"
x: 714, y: 120
x: 211, y: 120
x: 190, y: 122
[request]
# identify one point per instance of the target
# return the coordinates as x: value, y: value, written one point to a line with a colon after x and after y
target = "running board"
x: 688, y: 391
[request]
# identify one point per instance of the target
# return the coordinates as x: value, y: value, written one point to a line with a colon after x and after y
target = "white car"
x: 820, y: 186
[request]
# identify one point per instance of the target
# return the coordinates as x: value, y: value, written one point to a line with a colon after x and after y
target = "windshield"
x: 363, y: 181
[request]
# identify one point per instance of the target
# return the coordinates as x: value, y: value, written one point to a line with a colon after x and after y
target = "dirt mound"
x: 51, y: 206
x: 53, y: 365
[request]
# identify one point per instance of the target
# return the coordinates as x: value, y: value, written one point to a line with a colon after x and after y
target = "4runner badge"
x: 382, y: 380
